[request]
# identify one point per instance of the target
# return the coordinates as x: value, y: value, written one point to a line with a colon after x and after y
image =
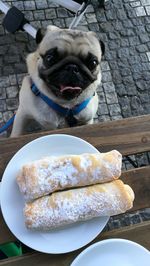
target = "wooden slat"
x: 36, y: 259
x: 138, y: 179
x: 129, y: 136
x: 138, y: 233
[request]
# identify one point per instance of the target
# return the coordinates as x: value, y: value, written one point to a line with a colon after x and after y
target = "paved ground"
x: 124, y: 26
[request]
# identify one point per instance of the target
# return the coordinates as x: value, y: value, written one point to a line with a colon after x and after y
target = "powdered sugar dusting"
x: 57, y: 174
x: 51, y: 174
x: 85, y: 162
x: 77, y: 205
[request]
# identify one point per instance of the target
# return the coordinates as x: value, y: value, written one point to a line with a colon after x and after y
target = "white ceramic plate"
x: 57, y: 241
x: 114, y: 252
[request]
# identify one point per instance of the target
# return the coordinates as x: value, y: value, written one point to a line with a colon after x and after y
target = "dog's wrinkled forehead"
x: 73, y: 42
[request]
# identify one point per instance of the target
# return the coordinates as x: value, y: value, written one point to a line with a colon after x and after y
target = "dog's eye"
x: 92, y: 64
x: 49, y: 59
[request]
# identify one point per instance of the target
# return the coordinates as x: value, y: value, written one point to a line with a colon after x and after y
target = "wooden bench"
x: 129, y: 136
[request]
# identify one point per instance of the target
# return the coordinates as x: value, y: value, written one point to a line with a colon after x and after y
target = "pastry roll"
x: 50, y: 174
x: 66, y: 207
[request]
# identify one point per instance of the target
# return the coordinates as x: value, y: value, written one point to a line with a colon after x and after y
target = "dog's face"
x: 68, y: 61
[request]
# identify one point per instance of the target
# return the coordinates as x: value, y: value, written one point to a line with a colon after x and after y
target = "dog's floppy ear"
x: 39, y: 35
x: 102, y: 47
x: 41, y: 32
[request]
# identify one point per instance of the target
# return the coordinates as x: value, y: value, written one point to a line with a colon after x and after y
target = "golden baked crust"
x: 50, y: 174
x: 78, y: 204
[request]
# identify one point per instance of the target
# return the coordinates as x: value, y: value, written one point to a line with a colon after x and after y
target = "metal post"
x: 27, y: 27
x: 69, y: 4
x: 78, y: 16
x: 78, y: 9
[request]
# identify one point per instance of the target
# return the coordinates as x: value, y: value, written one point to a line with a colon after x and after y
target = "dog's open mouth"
x: 74, y: 89
x: 70, y: 91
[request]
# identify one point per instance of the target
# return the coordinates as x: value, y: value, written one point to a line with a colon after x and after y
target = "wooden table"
x: 129, y: 136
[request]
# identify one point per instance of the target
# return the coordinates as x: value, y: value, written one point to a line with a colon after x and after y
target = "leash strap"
x: 49, y: 102
x: 78, y: 108
x: 68, y: 113
x: 7, y: 124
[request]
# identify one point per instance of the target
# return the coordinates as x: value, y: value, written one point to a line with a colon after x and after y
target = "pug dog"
x: 66, y: 69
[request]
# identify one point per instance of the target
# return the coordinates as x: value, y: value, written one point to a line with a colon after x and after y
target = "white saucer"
x: 113, y: 252
x: 64, y: 240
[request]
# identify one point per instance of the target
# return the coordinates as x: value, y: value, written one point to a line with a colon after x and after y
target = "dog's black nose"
x: 72, y: 68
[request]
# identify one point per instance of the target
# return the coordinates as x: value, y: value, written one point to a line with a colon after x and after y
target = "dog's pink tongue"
x: 64, y: 88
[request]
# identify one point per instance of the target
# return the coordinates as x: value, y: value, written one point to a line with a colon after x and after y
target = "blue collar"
x: 66, y: 112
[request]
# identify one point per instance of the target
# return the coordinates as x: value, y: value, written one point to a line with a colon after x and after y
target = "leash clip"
x: 83, y: 8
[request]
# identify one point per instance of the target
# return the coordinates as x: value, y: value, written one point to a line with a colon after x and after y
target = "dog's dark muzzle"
x: 68, y: 78
x: 71, y: 65
x: 72, y: 68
